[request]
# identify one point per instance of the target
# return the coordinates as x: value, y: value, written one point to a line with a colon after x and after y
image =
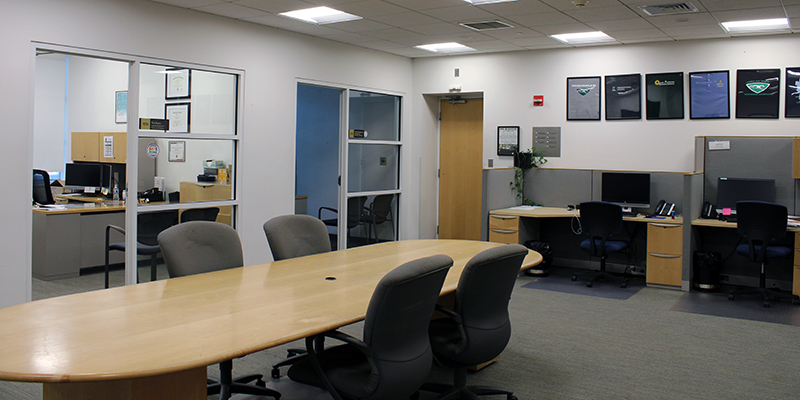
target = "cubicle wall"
x: 497, y: 194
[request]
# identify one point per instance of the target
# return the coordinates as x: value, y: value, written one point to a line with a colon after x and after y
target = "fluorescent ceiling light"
x: 482, y: 2
x: 583, y: 37
x: 756, y: 25
x: 446, y: 48
x: 321, y: 15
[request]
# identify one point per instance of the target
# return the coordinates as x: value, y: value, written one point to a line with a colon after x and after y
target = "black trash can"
x: 706, y: 267
x: 543, y: 248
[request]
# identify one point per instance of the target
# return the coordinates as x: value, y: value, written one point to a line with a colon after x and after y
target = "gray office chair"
x: 199, y: 214
x: 600, y: 221
x: 355, y: 211
x: 478, y: 328
x: 378, y: 212
x: 291, y: 236
x: 196, y: 247
x: 148, y: 226
x: 394, y: 357
x: 760, y: 223
x: 41, y: 188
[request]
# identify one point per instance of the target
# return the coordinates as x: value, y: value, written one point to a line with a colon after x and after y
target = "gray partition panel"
x: 497, y: 194
x: 752, y: 157
x: 558, y: 187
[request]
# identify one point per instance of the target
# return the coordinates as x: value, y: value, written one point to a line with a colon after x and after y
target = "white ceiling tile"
x: 511, y: 33
x: 621, y: 25
x: 426, y: 4
x: 399, y: 36
x: 591, y: 5
x: 722, y: 5
x: 362, y: 25
x: 532, y: 41
x: 565, y: 28
x: 275, y: 6
x: 627, y: 36
x: 602, y: 13
x: 517, y: 7
x: 230, y: 10
x: 460, y: 13
x: 758, y: 13
x: 406, y: 19
x: 382, y: 45
x: 534, y: 20
x: 437, y: 29
x: 189, y: 3
x: 371, y: 8
x: 695, y: 30
x: 793, y: 11
x: 347, y: 37
x: 682, y: 20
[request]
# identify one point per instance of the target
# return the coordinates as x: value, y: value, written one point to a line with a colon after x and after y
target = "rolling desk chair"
x: 394, y: 357
x: 477, y: 329
x: 41, y: 188
x: 599, y: 221
x: 148, y: 226
x: 196, y: 247
x: 759, y: 223
x: 379, y: 212
x: 355, y: 210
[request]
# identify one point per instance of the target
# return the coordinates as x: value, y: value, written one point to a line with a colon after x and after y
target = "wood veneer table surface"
x: 178, y: 324
x: 558, y: 212
x: 80, y: 208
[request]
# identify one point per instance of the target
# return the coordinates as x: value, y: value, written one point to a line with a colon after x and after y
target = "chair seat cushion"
x: 772, y: 251
x: 350, y: 374
x: 143, y: 249
x: 612, y: 246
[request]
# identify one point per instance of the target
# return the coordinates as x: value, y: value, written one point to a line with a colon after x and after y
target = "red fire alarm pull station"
x: 538, y: 100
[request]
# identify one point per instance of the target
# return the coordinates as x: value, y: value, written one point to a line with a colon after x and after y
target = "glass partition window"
x: 373, y: 167
x: 374, y: 116
x: 173, y: 163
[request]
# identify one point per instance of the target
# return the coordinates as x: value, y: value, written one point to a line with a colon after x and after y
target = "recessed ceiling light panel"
x: 583, y: 37
x: 320, y: 15
x: 450, y: 47
x: 756, y: 25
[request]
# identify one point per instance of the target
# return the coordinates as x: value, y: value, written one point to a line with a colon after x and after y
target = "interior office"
x: 274, y: 61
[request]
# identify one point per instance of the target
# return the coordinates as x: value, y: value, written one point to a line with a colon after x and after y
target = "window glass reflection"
x: 378, y: 115
x: 373, y: 167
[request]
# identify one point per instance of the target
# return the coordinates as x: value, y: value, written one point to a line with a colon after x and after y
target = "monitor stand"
x: 629, y: 212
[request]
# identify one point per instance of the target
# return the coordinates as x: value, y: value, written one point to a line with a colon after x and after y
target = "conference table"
x: 155, y: 340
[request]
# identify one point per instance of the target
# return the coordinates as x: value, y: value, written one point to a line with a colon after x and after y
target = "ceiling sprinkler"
x: 580, y: 3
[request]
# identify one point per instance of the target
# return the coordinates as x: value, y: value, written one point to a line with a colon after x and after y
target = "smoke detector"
x: 580, y: 3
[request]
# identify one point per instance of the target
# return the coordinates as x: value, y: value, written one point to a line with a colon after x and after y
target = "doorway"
x: 460, y: 168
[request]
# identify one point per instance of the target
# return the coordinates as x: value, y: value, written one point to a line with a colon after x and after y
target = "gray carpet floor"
x: 575, y: 346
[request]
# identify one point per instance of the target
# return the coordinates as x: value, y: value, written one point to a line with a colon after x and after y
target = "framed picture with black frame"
x: 623, y: 96
x: 179, y: 117
x: 583, y: 98
x: 178, y: 84
x: 709, y: 95
x: 507, y: 140
x: 664, y: 96
x: 758, y: 93
x: 792, y: 109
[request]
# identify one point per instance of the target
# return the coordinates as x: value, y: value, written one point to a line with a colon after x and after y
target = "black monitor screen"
x: 626, y: 189
x: 732, y: 190
x: 84, y: 175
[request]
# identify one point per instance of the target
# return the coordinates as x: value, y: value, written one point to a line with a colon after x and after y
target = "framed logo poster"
x: 709, y: 95
x: 583, y: 98
x: 624, y: 96
x: 665, y: 95
x: 792, y: 93
x: 757, y: 93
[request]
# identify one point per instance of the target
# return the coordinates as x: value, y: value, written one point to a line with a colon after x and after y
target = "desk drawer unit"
x: 796, y: 276
x: 664, y: 254
x: 503, y: 229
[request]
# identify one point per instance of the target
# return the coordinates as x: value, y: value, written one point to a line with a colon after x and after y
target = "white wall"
x: 272, y: 60
x: 508, y: 82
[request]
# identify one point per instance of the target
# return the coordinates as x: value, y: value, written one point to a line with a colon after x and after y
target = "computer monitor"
x: 83, y: 175
x: 732, y: 190
x: 628, y: 189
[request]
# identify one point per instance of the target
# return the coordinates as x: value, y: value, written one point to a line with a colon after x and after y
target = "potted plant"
x: 523, y: 160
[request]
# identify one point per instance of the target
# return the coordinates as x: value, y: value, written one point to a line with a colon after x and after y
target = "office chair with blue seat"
x: 355, y: 212
x: 761, y: 223
x: 394, y: 356
x: 600, y: 221
x: 196, y: 247
x: 148, y: 226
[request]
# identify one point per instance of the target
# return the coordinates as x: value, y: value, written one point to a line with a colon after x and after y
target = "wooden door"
x: 460, y: 169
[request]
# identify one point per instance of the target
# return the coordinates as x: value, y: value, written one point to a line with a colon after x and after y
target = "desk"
x: 713, y: 223
x: 664, y: 238
x: 71, y: 237
x: 154, y: 340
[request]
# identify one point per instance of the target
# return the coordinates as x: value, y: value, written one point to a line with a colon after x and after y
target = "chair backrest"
x: 396, y: 325
x: 150, y: 224
x: 381, y: 208
x: 760, y: 222
x: 200, y: 214
x: 41, y: 187
x: 291, y: 236
x: 355, y: 208
x: 196, y: 247
x: 484, y: 290
x: 599, y: 221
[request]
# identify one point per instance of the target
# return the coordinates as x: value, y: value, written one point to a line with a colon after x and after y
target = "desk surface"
x: 558, y: 212
x: 714, y: 223
x: 178, y: 324
x: 80, y: 208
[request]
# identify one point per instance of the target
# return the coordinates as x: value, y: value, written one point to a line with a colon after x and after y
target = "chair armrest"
x: 449, y: 313
x: 319, y: 213
x: 108, y: 231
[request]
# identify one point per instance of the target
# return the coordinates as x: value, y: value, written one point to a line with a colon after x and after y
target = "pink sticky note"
x: 726, y: 211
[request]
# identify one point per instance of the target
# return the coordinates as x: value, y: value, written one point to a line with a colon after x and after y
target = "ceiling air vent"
x: 666, y: 9
x: 486, y: 25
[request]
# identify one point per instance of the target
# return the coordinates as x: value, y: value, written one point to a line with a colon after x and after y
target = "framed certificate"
x: 177, y: 151
x: 178, y: 84
x: 507, y: 140
x: 583, y: 98
x: 178, y: 115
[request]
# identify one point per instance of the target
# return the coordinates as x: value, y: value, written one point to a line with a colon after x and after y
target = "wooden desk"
x: 713, y: 223
x: 664, y: 238
x: 154, y: 340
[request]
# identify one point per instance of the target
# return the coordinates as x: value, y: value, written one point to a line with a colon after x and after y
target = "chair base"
x: 468, y: 392
x: 599, y: 275
x: 766, y: 294
x: 240, y: 385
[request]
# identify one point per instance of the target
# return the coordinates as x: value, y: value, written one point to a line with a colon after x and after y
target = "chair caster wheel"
x: 589, y: 284
x: 624, y: 285
x: 512, y: 397
x: 574, y: 278
x: 731, y: 297
x: 766, y: 304
x: 260, y: 382
x: 276, y: 373
x: 796, y: 302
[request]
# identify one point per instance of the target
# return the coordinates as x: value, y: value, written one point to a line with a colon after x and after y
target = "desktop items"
x: 627, y: 189
x: 84, y: 176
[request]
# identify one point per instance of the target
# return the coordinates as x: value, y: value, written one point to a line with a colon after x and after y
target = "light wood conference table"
x: 154, y: 340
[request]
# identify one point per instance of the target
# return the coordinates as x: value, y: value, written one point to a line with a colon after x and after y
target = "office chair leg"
x: 153, y: 266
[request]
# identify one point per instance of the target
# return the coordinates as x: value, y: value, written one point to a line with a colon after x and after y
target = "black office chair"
x: 148, y: 226
x: 600, y: 221
x: 478, y: 328
x: 394, y: 357
x: 199, y: 214
x: 355, y: 210
x: 197, y: 247
x: 379, y: 212
x: 760, y: 223
x: 41, y: 188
